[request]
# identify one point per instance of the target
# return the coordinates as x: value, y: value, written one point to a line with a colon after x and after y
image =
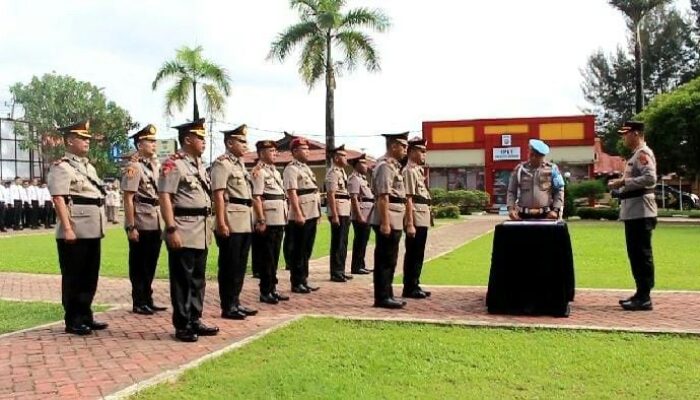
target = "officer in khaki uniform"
x: 638, y: 211
x: 304, y: 212
x: 536, y: 187
x: 338, y: 201
x: 387, y: 218
x: 417, y: 219
x: 233, y: 204
x: 142, y: 220
x: 185, y: 203
x: 362, y: 201
x: 78, y: 194
x: 270, y: 219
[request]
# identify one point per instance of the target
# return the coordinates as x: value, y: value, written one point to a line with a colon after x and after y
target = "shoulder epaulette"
x: 60, y: 160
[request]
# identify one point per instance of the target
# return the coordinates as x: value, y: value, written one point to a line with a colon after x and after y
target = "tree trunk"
x: 330, y: 101
x: 195, y: 111
x: 638, y: 70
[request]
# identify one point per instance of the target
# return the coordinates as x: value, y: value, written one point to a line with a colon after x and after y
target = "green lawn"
x: 600, y: 258
x: 339, y: 359
x: 16, y: 315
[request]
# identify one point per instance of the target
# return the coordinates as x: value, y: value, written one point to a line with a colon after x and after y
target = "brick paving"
x: 45, y: 362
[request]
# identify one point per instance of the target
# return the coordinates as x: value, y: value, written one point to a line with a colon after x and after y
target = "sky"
x: 440, y: 60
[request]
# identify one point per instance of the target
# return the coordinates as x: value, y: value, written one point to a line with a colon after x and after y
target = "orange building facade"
x: 481, y: 154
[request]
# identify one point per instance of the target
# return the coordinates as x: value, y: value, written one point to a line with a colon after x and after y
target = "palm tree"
x: 323, y: 29
x: 634, y: 11
x: 189, y: 70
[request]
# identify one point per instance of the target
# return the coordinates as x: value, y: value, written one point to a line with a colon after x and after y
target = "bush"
x: 466, y: 200
x: 591, y: 189
x: 612, y: 214
x: 451, y: 212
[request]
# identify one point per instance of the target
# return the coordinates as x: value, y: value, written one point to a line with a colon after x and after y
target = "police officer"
x: 387, y: 218
x: 78, y: 194
x: 15, y: 191
x: 304, y: 212
x: 338, y: 201
x: 33, y: 197
x: 638, y: 211
x: 185, y: 203
x: 362, y: 200
x: 233, y: 205
x: 536, y: 187
x: 4, y: 198
x: 417, y: 219
x: 142, y: 219
x: 270, y: 219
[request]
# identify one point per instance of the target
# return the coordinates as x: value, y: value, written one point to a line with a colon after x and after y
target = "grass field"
x: 600, y: 258
x: 16, y: 315
x: 327, y: 358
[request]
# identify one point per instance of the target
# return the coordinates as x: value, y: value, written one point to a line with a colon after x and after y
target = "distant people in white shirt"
x: 16, y: 196
x: 4, y: 199
x: 48, y: 214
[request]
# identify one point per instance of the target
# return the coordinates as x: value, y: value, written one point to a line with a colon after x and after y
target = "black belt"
x: 266, y: 196
x: 147, y: 200
x: 192, y: 212
x: 342, y: 197
x: 366, y: 200
x: 86, y: 201
x: 421, y: 200
x: 397, y: 200
x: 236, y: 200
x: 301, y: 192
x: 635, y: 193
x: 535, y: 211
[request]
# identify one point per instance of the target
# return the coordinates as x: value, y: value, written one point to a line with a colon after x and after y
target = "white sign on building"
x: 506, y: 153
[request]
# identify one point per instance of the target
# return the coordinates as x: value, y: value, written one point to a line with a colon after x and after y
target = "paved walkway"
x: 45, y: 362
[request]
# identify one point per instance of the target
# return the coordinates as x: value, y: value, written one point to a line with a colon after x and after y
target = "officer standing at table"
x: 387, y: 218
x: 233, y: 203
x: 417, y: 219
x: 270, y: 219
x: 536, y: 187
x: 362, y: 200
x: 638, y: 211
x: 78, y: 194
x: 185, y: 204
x: 338, y: 201
x: 142, y: 219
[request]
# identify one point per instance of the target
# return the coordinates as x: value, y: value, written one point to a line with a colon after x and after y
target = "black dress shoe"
x: 80, y: 330
x: 637, y: 305
x: 361, y: 271
x: 300, y: 289
x: 427, y: 293
x: 389, y: 303
x: 203, y: 330
x: 280, y: 297
x: 311, y: 288
x: 268, y: 298
x: 233, y: 314
x: 340, y: 279
x: 628, y: 299
x: 157, y: 308
x: 143, y: 310
x: 97, y: 325
x: 347, y: 277
x: 414, y: 294
x: 186, y: 335
x: 247, y: 311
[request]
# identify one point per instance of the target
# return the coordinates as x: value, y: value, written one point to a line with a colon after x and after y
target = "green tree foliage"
x: 58, y: 100
x: 191, y: 72
x: 323, y: 31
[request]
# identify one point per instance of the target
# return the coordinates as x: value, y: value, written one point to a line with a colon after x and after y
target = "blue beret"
x: 539, y: 146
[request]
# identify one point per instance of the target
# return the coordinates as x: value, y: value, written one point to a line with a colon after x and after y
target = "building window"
x: 457, y: 178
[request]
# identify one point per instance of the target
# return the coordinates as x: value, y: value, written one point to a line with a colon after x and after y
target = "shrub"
x: 611, y: 214
x: 446, y: 212
x: 591, y: 189
x: 466, y: 200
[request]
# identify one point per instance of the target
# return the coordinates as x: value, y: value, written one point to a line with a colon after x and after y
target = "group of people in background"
x: 25, y: 204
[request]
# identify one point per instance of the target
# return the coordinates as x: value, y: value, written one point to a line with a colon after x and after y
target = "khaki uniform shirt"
x: 140, y: 178
x: 387, y: 179
x: 640, y: 173
x: 358, y: 186
x: 75, y: 176
x: 267, y: 181
x: 532, y: 187
x: 228, y: 173
x: 299, y: 176
x: 337, y: 180
x: 414, y: 178
x: 186, y: 180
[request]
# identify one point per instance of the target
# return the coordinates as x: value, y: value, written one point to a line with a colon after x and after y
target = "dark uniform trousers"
x: 17, y: 215
x: 34, y: 214
x: 49, y: 214
x: 233, y: 261
x: 2, y: 215
x: 386, y: 254
x: 287, y: 246
x: 302, y: 239
x: 26, y: 214
x: 339, y: 246
x: 143, y: 260
x: 187, y: 282
x: 266, y: 254
x: 638, y: 238
x: 413, y: 258
x: 80, y: 268
x: 359, y: 245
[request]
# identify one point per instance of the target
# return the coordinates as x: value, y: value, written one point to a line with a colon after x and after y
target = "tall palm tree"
x: 190, y: 70
x: 323, y: 29
x: 634, y: 11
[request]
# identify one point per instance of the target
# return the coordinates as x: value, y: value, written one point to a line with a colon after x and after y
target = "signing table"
x: 532, y: 269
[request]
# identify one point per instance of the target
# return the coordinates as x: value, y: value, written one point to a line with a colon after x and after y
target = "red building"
x: 481, y: 154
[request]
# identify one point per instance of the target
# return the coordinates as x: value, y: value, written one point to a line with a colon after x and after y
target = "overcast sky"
x: 441, y: 59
